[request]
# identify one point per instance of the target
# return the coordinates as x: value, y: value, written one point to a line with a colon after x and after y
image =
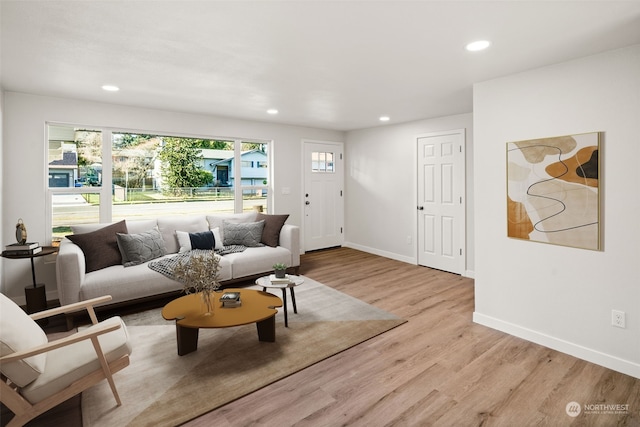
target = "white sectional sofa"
x: 130, y: 283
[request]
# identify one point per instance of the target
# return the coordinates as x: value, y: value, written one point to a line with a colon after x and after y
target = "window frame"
x: 104, y: 191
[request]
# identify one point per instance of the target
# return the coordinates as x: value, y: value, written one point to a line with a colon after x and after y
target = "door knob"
x: 307, y: 202
x: 420, y: 208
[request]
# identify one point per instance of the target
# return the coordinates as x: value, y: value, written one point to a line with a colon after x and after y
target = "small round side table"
x: 35, y: 294
x: 293, y: 282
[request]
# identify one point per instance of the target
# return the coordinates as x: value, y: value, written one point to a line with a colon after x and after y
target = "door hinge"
x: 340, y: 230
x: 340, y: 193
x: 460, y: 199
x: 460, y: 251
x: 340, y: 156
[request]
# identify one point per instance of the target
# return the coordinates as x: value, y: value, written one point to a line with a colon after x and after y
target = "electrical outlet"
x: 618, y: 318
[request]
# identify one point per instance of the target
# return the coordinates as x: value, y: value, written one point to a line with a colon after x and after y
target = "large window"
x: 150, y: 175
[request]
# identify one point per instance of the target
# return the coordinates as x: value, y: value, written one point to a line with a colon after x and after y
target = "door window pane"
x: 322, y: 162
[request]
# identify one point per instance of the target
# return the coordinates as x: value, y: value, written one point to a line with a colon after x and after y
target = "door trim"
x: 461, y: 176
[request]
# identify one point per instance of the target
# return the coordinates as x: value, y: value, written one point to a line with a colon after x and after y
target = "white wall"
x: 24, y: 162
x: 558, y: 296
x: 2, y: 234
x: 381, y: 186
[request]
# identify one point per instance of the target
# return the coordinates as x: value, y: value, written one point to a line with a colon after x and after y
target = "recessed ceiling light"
x: 384, y: 118
x: 478, y: 45
x: 110, y: 88
x: 272, y: 111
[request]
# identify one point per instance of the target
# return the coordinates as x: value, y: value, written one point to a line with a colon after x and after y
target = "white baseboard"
x: 608, y: 361
x: 409, y: 260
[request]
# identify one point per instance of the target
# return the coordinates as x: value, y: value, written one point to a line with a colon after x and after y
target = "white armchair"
x: 38, y: 375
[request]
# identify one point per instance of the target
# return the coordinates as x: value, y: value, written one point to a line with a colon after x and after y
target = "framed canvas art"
x: 553, y: 190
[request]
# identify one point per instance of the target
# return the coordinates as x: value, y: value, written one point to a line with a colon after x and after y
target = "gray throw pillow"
x: 245, y: 234
x: 142, y: 247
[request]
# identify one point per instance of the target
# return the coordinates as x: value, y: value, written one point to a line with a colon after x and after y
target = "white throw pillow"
x: 184, y: 240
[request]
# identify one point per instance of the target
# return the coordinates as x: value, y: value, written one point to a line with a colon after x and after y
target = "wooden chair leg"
x: 106, y: 370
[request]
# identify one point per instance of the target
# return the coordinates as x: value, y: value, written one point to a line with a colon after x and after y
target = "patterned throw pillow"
x: 100, y: 247
x: 246, y: 234
x: 142, y: 247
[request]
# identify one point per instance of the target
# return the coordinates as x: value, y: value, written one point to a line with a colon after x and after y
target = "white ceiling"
x: 329, y: 64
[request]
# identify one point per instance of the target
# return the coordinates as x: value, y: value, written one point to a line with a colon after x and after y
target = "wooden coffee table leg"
x: 187, y: 339
x: 267, y: 329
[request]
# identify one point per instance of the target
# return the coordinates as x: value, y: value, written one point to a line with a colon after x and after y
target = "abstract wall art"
x: 553, y: 193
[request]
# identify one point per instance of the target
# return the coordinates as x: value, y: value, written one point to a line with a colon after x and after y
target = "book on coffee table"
x: 230, y: 299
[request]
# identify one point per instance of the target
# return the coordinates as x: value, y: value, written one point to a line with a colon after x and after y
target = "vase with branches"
x: 199, y: 274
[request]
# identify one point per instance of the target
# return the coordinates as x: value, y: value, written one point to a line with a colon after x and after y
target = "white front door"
x: 441, y: 214
x: 323, y: 196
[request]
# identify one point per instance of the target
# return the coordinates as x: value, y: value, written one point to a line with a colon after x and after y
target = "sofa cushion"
x: 100, y: 247
x: 258, y: 260
x: 217, y: 220
x: 20, y: 332
x: 129, y: 283
x: 203, y: 240
x: 133, y: 226
x: 140, y: 225
x: 189, y: 223
x: 272, y: 226
x: 141, y: 247
x: 245, y: 234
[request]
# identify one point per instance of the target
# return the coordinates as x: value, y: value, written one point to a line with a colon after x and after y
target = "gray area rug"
x: 160, y: 388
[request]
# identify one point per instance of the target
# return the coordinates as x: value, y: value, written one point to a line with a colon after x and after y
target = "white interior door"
x: 323, y: 196
x: 441, y: 214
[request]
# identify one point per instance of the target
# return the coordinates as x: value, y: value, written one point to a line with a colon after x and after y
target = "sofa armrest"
x: 70, y: 271
x: 290, y: 239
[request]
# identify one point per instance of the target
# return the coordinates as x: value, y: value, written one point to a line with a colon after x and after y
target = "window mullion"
x: 105, y: 193
x: 237, y: 176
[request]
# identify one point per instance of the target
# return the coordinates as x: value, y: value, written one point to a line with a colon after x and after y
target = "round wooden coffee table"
x: 189, y: 312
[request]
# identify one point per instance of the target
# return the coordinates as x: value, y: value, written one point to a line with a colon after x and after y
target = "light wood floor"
x: 437, y: 369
